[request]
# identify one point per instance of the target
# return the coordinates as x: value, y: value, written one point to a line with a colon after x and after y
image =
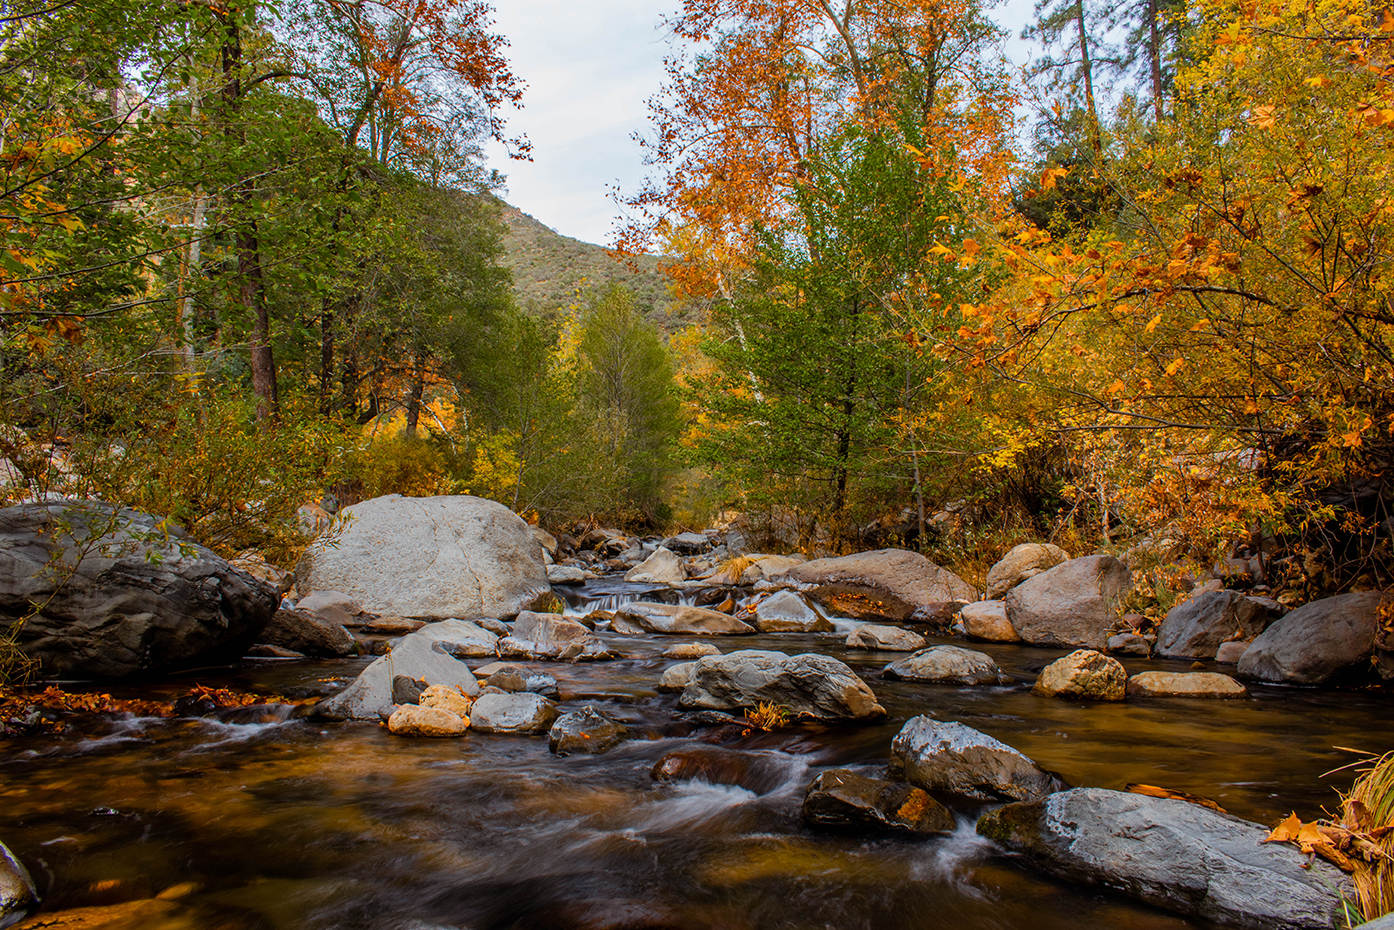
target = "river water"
x: 275, y: 823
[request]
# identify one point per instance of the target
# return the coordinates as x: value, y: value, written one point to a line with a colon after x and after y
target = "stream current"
x: 262, y: 822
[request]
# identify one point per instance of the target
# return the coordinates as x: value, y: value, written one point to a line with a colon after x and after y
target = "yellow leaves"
x: 1374, y: 113
x: 1264, y: 117
x: 1153, y: 324
x: 1340, y: 844
x: 1319, y: 80
x: 1050, y: 176
x: 1234, y: 34
x: 1175, y: 367
x: 1116, y: 388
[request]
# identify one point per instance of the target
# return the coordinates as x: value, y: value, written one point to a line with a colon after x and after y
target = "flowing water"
x: 275, y: 822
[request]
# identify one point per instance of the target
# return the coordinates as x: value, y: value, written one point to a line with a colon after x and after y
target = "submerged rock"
x: 1175, y: 855
x: 584, y: 731
x: 134, y: 597
x: 843, y: 799
x: 1072, y: 604
x: 760, y: 772
x: 690, y: 651
x: 1084, y: 674
x: 950, y: 665
x: 1185, y: 684
x: 885, y: 638
x: 440, y: 557
x: 809, y: 685
x: 941, y: 755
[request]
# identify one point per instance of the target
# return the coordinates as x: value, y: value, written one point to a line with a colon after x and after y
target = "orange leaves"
x: 1344, y: 845
x: 1375, y: 112
x: 1264, y: 117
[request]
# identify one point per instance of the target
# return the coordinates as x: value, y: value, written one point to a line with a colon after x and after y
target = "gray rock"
x: 1185, y: 684
x: 335, y: 606
x: 18, y: 896
x: 567, y: 574
x: 1024, y: 561
x: 517, y: 678
x: 675, y: 619
x: 546, y: 540
x: 1072, y: 604
x: 663, y: 567
x: 425, y: 654
x: 787, y: 612
x: 430, y: 557
x: 1174, y: 855
x: 941, y: 755
x: 766, y: 567
x: 137, y: 600
x: 809, y: 685
x: 1084, y: 674
x: 1196, y: 628
x: 1129, y: 644
x: 1230, y: 653
x: 549, y: 628
x: 512, y: 713
x: 690, y: 651
x: 1317, y: 641
x: 884, y: 638
x: 677, y: 677
x: 688, y: 543
x: 987, y: 620
x: 268, y: 651
x: 584, y: 731
x: 308, y: 634
x: 407, y: 690
x: 949, y: 665
x: 891, y: 584
x: 843, y: 799
x: 1379, y: 923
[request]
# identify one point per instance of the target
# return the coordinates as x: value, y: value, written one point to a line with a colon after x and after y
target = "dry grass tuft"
x: 1370, y: 805
x: 767, y: 716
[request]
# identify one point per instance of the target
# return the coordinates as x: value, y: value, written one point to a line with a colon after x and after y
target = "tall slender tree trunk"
x: 418, y: 388
x: 1154, y: 53
x: 1086, y: 65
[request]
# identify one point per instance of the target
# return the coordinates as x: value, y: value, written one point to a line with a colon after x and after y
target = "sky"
x: 590, y: 66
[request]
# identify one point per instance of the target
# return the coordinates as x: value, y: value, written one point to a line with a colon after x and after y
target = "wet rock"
x: 549, y: 629
x: 584, y: 731
x: 497, y: 627
x: 567, y: 574
x: 391, y: 626
x: 760, y: 772
x: 884, y: 638
x: 787, y: 612
x: 663, y: 567
x: 949, y: 665
x: 1174, y: 855
x: 675, y: 619
x: 334, y: 606
x: 1024, y: 561
x: 424, y: 654
x: 1196, y: 628
x: 1129, y: 644
x: 677, y: 677
x: 809, y: 685
x: 443, y: 698
x: 890, y: 584
x: 141, y: 600
x: 407, y: 690
x: 941, y: 755
x: 1184, y: 684
x: 1317, y: 641
x: 843, y: 799
x: 510, y: 647
x: 688, y: 543
x: 1084, y: 674
x: 18, y: 896
x: 987, y: 620
x: 413, y: 720
x: 430, y: 557
x: 516, y: 678
x: 690, y: 651
x: 268, y: 651
x: 1230, y: 653
x: 513, y: 713
x: 308, y: 634
x: 1072, y: 604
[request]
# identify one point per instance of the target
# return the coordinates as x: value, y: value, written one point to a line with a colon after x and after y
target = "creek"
x: 264, y: 822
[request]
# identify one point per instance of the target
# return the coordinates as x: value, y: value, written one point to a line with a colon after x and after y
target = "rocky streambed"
x: 268, y: 820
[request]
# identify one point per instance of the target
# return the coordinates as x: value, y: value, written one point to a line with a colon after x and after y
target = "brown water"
x: 303, y: 824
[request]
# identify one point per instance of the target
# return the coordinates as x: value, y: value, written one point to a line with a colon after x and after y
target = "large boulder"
x: 809, y: 685
x: 1174, y: 855
x: 308, y: 634
x: 1084, y: 674
x: 1196, y: 628
x: 434, y: 557
x: 1024, y: 561
x: 122, y: 594
x: 942, y: 755
x: 787, y: 612
x: 675, y: 619
x: 846, y: 800
x: 426, y: 655
x: 1317, y: 641
x: 1073, y: 604
x: 890, y: 584
x: 663, y: 567
x: 946, y: 665
x: 885, y: 638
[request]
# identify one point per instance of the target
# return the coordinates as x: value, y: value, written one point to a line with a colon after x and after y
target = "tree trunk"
x: 1086, y: 67
x: 1154, y: 52
x: 418, y: 388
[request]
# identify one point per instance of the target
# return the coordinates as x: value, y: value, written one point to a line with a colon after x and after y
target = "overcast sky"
x: 590, y: 65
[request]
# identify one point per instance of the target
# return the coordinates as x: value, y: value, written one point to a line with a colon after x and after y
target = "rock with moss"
x: 1084, y: 674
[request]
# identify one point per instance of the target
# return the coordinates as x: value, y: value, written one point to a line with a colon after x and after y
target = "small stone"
x: 1129, y: 644
x: 844, y: 799
x: 17, y: 892
x: 946, y: 665
x: 517, y: 678
x: 446, y: 699
x: 412, y: 720
x: 513, y: 713
x: 407, y: 690
x: 584, y: 731
x: 1178, y: 684
x: 690, y: 651
x: 1085, y: 674
x: 391, y: 626
x: 268, y: 651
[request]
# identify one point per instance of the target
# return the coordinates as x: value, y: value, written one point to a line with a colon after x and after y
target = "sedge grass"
x: 1371, y: 804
